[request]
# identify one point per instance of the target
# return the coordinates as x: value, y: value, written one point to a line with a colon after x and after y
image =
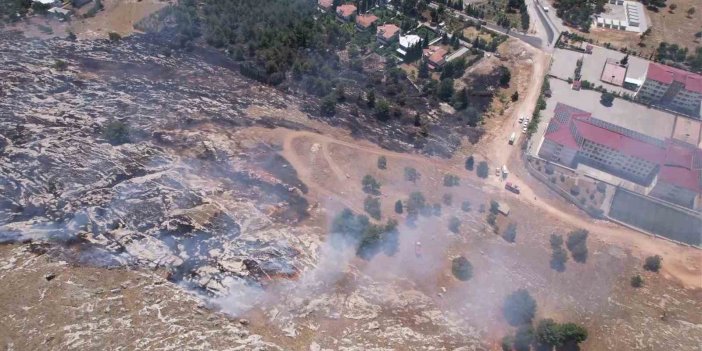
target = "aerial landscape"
x: 350, y: 175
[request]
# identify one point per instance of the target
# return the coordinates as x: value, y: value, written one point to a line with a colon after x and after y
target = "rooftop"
x: 366, y: 20
x: 407, y: 41
x: 327, y: 4
x: 435, y: 54
x: 388, y: 30
x: 667, y: 75
x: 346, y: 10
x: 679, y: 162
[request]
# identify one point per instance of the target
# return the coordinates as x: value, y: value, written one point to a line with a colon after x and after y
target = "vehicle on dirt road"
x: 512, y: 187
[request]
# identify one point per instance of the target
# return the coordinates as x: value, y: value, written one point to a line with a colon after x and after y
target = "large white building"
x: 672, y: 87
x: 672, y: 168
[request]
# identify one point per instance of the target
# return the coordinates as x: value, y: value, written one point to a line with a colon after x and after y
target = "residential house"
x: 435, y: 56
x: 345, y: 12
x: 365, y: 21
x: 325, y: 5
x: 387, y: 33
x: 406, y: 42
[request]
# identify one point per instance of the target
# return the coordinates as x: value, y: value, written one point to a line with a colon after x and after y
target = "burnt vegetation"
x: 295, y: 47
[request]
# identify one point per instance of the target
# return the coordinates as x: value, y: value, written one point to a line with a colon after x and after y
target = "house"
x: 672, y: 168
x: 406, y: 42
x: 325, y: 5
x: 387, y: 33
x: 435, y: 56
x: 345, y: 12
x: 365, y: 21
x: 672, y: 87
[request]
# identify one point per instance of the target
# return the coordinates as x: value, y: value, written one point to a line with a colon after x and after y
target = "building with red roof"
x: 345, y: 12
x: 387, y: 33
x: 325, y: 5
x: 672, y: 169
x: 672, y: 87
x: 435, y: 56
x: 365, y: 20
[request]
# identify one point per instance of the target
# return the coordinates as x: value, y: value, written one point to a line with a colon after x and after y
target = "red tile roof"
x: 622, y: 143
x: 679, y: 163
x: 366, y: 20
x: 667, y: 74
x: 681, y: 177
x: 346, y: 10
x: 326, y: 4
x: 388, y: 30
x: 435, y: 54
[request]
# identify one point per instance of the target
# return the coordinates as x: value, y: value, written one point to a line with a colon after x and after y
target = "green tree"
x: 510, y: 234
x: 423, y: 71
x: 114, y: 36
x: 606, y: 99
x: 370, y: 98
x: 370, y: 185
x: 451, y: 180
x: 447, y: 199
x: 470, y: 161
x: 549, y: 333
x: 690, y: 11
x: 462, y: 268
x: 577, y: 244
x: 653, y: 263
x: 372, y: 206
x: 415, y: 203
x: 494, y: 207
x: 411, y: 174
x: 524, y: 337
x: 328, y: 105
x: 672, y: 7
x: 505, y: 76
x: 465, y: 206
x: 482, y: 169
x: 519, y: 308
x: 116, y: 132
x: 382, y: 110
x: 445, y: 91
x: 573, y: 333
x: 398, y: 207
x: 515, y: 96
x: 382, y: 162
x: 454, y: 224
x: 637, y: 281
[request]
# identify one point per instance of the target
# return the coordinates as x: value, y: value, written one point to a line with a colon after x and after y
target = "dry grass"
x: 674, y: 27
x: 118, y: 16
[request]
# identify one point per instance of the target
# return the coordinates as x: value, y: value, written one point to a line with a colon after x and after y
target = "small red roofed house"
x: 345, y: 12
x: 435, y: 56
x: 387, y: 33
x: 365, y: 21
x: 325, y: 5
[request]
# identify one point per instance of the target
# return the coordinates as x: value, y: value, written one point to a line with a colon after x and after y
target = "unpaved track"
x: 681, y: 263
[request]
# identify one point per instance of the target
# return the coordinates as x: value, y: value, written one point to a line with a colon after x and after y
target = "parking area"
x: 565, y: 62
x: 639, y: 118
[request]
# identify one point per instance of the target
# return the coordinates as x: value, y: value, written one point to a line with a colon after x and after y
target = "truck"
x: 512, y: 187
x: 505, y: 172
x: 545, y: 8
x: 512, y: 137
